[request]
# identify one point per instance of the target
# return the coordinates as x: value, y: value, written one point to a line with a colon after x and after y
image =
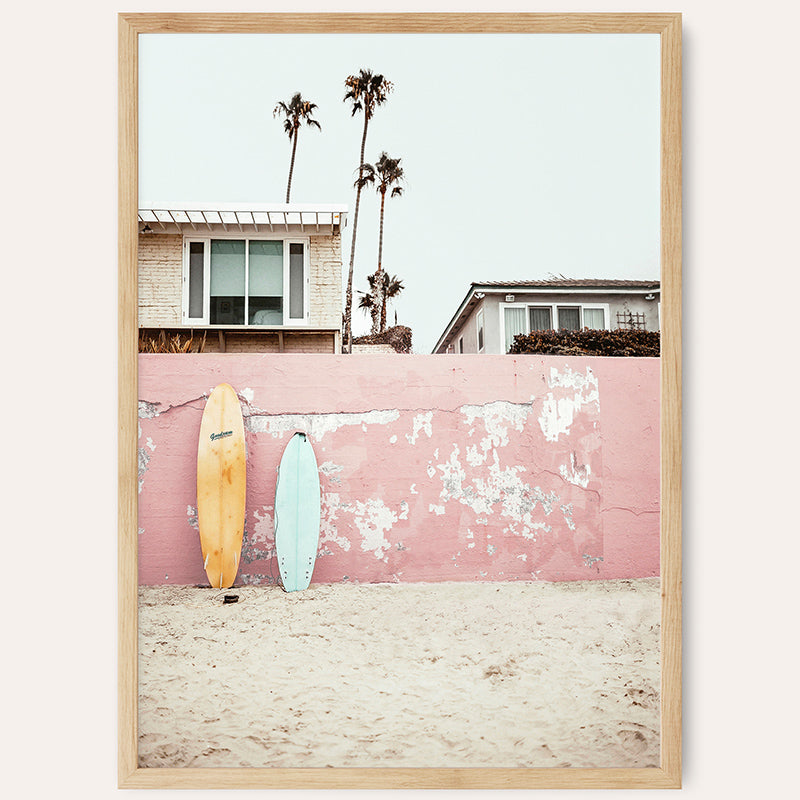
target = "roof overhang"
x: 202, y: 218
x: 477, y: 291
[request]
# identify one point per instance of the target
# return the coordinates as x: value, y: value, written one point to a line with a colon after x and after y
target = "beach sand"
x: 508, y: 674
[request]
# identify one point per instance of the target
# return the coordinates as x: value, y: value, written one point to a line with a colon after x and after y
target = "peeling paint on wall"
x: 143, y: 461
x: 260, y: 544
x: 315, y: 425
x: 329, y: 470
x: 497, y: 417
x: 331, y: 505
x: 440, y: 480
x: 421, y: 423
x: 373, y: 519
x: 577, y: 474
x: 573, y: 392
x: 191, y: 514
x: 148, y: 410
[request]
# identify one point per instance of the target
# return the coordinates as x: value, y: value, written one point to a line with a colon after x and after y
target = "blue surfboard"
x: 297, y: 513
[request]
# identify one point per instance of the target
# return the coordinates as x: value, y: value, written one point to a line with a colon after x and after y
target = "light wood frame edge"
x: 127, y: 380
x: 671, y: 400
x: 668, y: 26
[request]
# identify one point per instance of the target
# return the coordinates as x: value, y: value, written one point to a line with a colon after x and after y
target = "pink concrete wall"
x: 433, y: 468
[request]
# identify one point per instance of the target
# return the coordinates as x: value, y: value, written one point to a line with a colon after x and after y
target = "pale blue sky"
x: 525, y: 155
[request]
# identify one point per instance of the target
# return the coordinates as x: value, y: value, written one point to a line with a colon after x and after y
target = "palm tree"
x: 295, y: 112
x: 366, y: 91
x: 365, y: 301
x: 392, y: 286
x: 387, y: 171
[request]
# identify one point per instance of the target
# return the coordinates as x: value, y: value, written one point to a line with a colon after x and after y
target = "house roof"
x: 477, y: 291
x: 200, y: 218
x: 573, y: 283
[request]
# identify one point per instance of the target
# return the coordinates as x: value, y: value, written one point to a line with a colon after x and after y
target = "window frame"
x: 480, y: 331
x: 287, y: 320
x: 185, y: 278
x: 206, y: 240
x: 567, y: 307
x: 527, y: 305
x: 604, y: 307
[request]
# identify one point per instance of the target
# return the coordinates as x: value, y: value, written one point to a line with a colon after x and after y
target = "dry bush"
x: 399, y: 337
x: 172, y: 343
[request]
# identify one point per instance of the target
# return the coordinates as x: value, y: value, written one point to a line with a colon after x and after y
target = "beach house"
x: 248, y: 278
x: 493, y: 313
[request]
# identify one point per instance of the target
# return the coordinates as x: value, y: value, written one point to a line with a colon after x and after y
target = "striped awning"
x: 199, y: 218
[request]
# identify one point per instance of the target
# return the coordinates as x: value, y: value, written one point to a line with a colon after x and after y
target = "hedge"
x: 589, y: 342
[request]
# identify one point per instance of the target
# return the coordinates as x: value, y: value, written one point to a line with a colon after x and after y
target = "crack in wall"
x: 629, y: 511
x: 150, y: 410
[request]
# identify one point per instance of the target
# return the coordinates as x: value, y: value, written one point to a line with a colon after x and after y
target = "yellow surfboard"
x: 221, y: 486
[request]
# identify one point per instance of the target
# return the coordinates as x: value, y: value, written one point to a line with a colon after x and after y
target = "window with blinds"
x: 569, y: 318
x: 541, y: 318
x: 524, y: 318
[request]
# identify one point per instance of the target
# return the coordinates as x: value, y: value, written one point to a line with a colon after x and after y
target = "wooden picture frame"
x: 668, y: 775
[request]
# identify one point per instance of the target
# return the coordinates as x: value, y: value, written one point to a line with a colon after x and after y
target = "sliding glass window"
x: 265, y: 292
x: 227, y: 282
x: 245, y: 282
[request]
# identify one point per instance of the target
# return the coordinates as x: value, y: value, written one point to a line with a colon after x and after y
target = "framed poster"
x: 496, y: 598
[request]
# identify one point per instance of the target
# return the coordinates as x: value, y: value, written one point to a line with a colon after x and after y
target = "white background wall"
x: 59, y: 403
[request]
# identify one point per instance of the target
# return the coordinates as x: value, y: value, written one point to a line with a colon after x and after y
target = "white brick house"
x: 248, y: 277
